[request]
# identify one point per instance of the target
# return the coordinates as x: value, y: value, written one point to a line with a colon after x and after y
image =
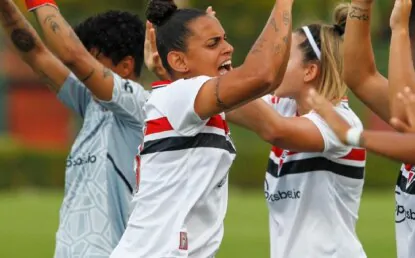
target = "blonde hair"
x: 329, y: 40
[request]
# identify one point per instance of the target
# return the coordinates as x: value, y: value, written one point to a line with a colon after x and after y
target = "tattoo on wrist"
x: 89, y: 75
x: 358, y: 13
x: 23, y: 40
x: 219, y: 102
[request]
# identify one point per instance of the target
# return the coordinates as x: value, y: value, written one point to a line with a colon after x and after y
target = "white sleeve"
x: 74, y: 95
x: 267, y: 98
x: 333, y: 147
x: 178, y: 105
x: 128, y: 99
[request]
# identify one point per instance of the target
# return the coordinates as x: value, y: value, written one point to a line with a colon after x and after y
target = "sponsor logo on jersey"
x: 80, y: 161
x: 403, y: 213
x: 281, y: 195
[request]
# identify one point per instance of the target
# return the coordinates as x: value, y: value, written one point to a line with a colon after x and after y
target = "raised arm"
x: 68, y: 48
x: 262, y: 71
x: 30, y: 47
x: 360, y: 72
x: 401, y: 69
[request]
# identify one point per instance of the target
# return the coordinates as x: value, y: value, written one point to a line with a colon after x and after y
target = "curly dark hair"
x: 115, y: 34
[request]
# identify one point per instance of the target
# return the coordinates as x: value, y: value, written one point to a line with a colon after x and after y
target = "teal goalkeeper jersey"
x: 100, y: 177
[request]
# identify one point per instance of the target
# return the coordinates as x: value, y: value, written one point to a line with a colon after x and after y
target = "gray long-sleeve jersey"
x: 100, y: 177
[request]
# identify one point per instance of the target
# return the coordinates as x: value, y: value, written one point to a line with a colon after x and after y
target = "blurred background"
x: 36, y: 132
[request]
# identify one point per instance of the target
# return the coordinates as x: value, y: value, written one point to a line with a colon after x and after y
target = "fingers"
x: 210, y: 11
x: 399, y: 125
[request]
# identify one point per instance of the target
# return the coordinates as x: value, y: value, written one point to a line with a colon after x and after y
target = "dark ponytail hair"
x: 171, y: 26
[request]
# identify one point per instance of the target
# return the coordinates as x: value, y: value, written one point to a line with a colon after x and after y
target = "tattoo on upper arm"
x: 219, y: 101
x: 358, y: 13
x: 23, y: 39
x: 89, y: 75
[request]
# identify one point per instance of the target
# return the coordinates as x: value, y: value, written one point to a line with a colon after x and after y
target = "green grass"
x: 28, y: 221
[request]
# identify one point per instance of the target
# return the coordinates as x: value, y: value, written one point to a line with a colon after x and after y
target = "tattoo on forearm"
x: 285, y: 40
x: 107, y: 72
x: 49, y: 82
x: 219, y: 101
x: 8, y: 14
x: 273, y: 24
x: 52, y: 23
x: 89, y: 75
x: 358, y: 13
x: 23, y: 40
x: 277, y: 48
x: 258, y: 46
x: 286, y: 18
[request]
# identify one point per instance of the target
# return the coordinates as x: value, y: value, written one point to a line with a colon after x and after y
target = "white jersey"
x: 405, y: 212
x: 182, y: 198
x: 314, y: 198
x: 100, y: 175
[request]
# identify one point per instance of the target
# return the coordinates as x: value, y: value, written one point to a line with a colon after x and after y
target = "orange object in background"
x: 36, y: 118
x: 34, y: 115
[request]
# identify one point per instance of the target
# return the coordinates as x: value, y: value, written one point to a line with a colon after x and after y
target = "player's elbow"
x: 272, y: 134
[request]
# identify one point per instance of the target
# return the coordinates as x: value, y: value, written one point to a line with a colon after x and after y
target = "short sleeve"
x: 178, y: 103
x: 74, y: 95
x: 128, y: 99
x: 332, y: 145
x: 267, y: 98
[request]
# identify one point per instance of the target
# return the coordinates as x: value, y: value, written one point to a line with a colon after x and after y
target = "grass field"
x: 28, y: 221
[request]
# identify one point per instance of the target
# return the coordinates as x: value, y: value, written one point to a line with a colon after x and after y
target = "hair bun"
x: 340, y: 17
x: 159, y: 11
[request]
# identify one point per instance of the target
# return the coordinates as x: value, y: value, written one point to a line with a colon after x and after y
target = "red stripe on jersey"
x: 160, y: 83
x: 218, y: 122
x: 356, y: 154
x: 157, y: 126
x: 408, y: 167
x: 278, y: 151
x: 162, y: 124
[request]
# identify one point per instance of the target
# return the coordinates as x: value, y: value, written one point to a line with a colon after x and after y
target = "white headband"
x: 312, y: 41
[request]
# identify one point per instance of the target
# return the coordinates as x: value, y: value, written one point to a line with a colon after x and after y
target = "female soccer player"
x: 372, y: 88
x: 100, y: 177
x: 314, y: 183
x: 182, y: 199
x: 310, y: 172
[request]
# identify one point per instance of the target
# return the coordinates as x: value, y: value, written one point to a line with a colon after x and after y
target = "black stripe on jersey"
x: 202, y: 140
x: 401, y: 183
x: 120, y: 174
x: 315, y: 164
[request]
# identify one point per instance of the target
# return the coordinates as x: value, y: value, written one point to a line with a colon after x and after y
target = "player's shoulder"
x: 284, y: 106
x: 348, y: 114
